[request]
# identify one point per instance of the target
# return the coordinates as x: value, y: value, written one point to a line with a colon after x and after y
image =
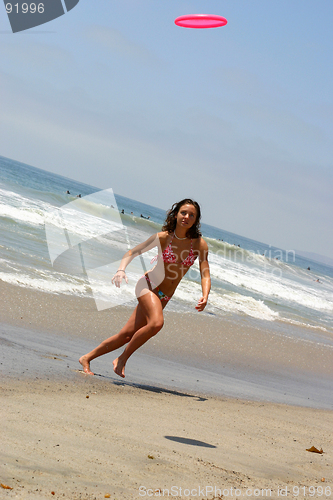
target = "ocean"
x: 91, y: 232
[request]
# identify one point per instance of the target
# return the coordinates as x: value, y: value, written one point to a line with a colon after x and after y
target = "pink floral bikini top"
x: 169, y: 256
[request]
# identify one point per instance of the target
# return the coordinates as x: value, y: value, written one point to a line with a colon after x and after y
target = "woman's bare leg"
x: 136, y: 321
x: 152, y: 308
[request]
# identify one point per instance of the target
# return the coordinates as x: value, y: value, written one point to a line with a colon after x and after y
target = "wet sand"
x: 166, y: 426
x: 231, y: 356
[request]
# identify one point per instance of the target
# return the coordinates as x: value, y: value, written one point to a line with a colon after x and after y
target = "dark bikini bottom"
x: 152, y: 287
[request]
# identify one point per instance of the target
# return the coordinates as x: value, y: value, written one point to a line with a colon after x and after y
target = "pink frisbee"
x: 201, y: 21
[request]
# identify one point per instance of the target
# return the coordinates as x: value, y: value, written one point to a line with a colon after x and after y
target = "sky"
x: 239, y: 118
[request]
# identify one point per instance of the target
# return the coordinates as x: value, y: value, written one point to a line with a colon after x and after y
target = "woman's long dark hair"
x: 170, y: 222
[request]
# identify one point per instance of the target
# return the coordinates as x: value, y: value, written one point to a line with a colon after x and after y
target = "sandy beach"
x: 69, y: 435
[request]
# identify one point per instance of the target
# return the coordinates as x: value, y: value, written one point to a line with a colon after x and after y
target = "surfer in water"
x: 179, y: 245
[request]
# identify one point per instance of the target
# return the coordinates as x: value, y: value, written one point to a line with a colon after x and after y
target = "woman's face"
x: 186, y: 216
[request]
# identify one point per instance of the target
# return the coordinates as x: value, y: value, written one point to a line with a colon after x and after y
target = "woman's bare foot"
x: 119, y: 367
x: 85, y: 365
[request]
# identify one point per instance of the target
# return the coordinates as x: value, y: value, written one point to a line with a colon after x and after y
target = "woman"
x: 180, y: 243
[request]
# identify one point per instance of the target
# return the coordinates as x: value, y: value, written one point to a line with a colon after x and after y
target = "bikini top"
x: 169, y: 256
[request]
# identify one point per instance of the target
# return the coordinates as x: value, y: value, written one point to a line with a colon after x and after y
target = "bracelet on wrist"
x: 122, y: 270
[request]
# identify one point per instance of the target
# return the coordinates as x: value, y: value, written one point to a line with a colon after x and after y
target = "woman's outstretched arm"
x: 153, y: 241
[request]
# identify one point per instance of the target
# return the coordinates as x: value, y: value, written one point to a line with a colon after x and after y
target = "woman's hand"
x: 201, y: 304
x: 118, y: 277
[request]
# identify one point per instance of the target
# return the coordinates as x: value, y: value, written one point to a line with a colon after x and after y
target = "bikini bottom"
x: 153, y: 288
